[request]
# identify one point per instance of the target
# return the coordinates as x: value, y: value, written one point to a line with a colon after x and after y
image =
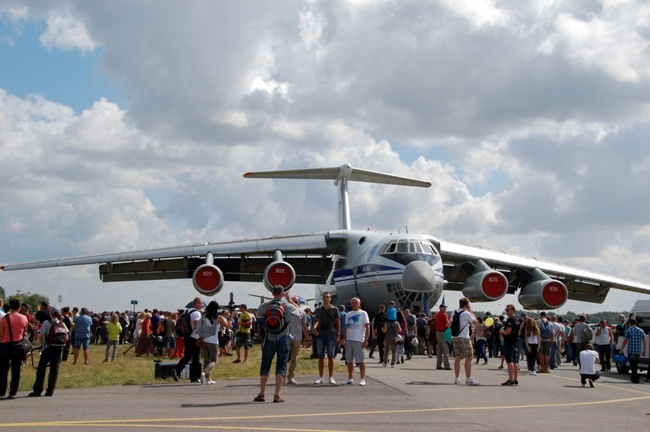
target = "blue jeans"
x: 633, y: 359
x: 553, y: 355
x: 325, y: 345
x: 282, y: 347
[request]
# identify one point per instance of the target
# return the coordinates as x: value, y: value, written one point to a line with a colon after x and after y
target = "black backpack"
x: 274, y: 321
x: 455, y: 324
x: 184, y: 324
x: 58, y: 335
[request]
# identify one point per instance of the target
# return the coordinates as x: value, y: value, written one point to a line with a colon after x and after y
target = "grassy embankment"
x: 132, y: 370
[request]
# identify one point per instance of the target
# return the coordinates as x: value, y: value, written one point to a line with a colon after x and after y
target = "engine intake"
x: 544, y: 294
x: 484, y: 286
x: 208, y: 279
x: 279, y: 273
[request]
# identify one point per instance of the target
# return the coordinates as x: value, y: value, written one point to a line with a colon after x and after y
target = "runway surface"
x: 413, y: 396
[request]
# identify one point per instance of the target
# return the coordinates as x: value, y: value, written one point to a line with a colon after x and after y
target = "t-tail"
x: 341, y: 176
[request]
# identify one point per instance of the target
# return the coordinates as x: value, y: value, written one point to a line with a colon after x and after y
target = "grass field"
x: 132, y: 370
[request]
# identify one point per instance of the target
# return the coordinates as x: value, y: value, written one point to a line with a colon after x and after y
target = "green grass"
x: 132, y: 370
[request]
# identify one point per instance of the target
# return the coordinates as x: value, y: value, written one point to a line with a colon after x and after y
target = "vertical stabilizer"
x: 341, y: 176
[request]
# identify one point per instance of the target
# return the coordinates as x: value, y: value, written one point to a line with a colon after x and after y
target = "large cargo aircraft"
x: 411, y: 269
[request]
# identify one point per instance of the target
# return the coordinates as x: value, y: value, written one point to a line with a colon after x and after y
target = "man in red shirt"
x: 442, y: 322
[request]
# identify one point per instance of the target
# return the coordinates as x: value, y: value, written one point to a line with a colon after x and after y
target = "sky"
x: 128, y: 125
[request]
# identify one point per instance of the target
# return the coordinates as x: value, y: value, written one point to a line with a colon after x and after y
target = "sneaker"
x: 484, y: 363
x: 384, y: 365
x: 202, y: 379
x: 175, y: 375
x: 508, y: 383
x: 319, y: 381
x: 348, y: 381
x: 470, y: 381
x: 211, y: 382
x: 457, y: 380
x: 591, y: 383
x: 516, y: 383
x: 33, y: 394
x: 392, y: 365
x: 362, y: 382
x: 532, y: 372
x: 332, y: 380
x: 292, y: 381
x: 583, y: 385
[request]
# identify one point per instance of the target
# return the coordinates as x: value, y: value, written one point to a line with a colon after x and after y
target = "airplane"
x: 411, y: 269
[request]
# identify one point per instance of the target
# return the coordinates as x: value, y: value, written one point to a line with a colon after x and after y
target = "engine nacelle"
x: 544, y: 294
x: 208, y: 279
x: 279, y: 273
x: 485, y: 286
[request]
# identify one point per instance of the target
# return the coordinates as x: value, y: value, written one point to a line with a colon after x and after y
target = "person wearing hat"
x: 277, y: 340
x: 50, y: 354
x: 442, y: 349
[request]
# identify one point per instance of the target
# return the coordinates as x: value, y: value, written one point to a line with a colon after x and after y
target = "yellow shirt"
x: 244, y: 316
x: 114, y: 330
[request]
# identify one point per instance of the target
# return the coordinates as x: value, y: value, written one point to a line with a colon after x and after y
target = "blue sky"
x: 72, y: 77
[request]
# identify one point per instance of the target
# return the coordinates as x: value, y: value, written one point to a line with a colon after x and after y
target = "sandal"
x: 259, y: 398
x: 277, y: 398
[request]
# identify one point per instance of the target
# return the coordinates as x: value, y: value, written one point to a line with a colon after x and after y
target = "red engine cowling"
x: 544, y: 294
x: 208, y: 279
x: 279, y: 273
x: 488, y: 285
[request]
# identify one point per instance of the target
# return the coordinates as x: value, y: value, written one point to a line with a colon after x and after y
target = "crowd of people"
x: 208, y: 332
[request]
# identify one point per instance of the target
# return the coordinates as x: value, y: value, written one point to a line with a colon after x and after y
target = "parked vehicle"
x: 641, y: 312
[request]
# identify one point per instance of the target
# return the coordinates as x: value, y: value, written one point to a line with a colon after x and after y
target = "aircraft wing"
x: 243, y: 260
x: 582, y: 285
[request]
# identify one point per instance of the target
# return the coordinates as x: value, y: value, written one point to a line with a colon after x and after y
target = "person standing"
x: 634, y: 340
x: 13, y: 327
x: 192, y: 350
x: 442, y: 349
x: 356, y: 335
x: 462, y: 342
x: 326, y: 328
x: 243, y: 334
x: 579, y: 339
x: 588, y: 361
x: 82, y: 326
x: 603, y: 340
x: 299, y: 336
x: 378, y: 326
x: 545, y: 342
x: 532, y: 334
x: 510, y: 334
x: 51, y: 351
x: 275, y: 342
x: 114, y: 330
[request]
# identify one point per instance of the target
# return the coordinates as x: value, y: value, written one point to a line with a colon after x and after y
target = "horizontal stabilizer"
x: 336, y: 173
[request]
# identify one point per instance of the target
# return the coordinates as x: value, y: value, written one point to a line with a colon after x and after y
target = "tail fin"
x: 341, y: 175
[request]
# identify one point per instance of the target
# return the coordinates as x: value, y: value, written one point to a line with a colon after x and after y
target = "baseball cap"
x: 54, y: 311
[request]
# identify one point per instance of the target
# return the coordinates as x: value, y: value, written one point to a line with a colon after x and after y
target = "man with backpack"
x: 53, y: 336
x: 186, y: 328
x: 546, y: 336
x: 277, y: 340
x: 462, y: 320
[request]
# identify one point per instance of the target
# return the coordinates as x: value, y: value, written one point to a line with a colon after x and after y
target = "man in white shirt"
x: 559, y: 335
x: 588, y: 361
x: 462, y: 342
x: 356, y: 335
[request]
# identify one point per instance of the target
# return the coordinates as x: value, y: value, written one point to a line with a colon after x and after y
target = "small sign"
x: 134, y: 302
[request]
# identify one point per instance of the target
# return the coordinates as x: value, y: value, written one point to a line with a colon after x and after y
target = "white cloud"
x: 66, y: 33
x: 542, y: 108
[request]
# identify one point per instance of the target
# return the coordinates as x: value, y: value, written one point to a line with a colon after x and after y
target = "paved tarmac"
x: 409, y: 397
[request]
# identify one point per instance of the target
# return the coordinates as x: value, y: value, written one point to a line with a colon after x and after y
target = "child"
x: 114, y: 330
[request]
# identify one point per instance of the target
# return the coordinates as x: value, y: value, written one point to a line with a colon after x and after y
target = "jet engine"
x: 279, y: 273
x: 543, y: 292
x: 485, y: 286
x: 208, y: 278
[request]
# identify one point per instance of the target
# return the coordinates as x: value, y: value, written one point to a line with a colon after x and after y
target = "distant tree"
x: 33, y: 300
x: 2, y: 293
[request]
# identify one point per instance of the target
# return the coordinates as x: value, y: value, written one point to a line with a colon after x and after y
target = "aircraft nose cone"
x: 418, y: 276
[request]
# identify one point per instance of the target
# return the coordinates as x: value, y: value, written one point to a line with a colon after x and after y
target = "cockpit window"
x: 408, y: 246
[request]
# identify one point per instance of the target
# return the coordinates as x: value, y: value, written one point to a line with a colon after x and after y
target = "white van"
x: 641, y: 312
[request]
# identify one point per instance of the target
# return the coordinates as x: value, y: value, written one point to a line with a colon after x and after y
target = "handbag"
x: 23, y: 346
x: 399, y: 340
